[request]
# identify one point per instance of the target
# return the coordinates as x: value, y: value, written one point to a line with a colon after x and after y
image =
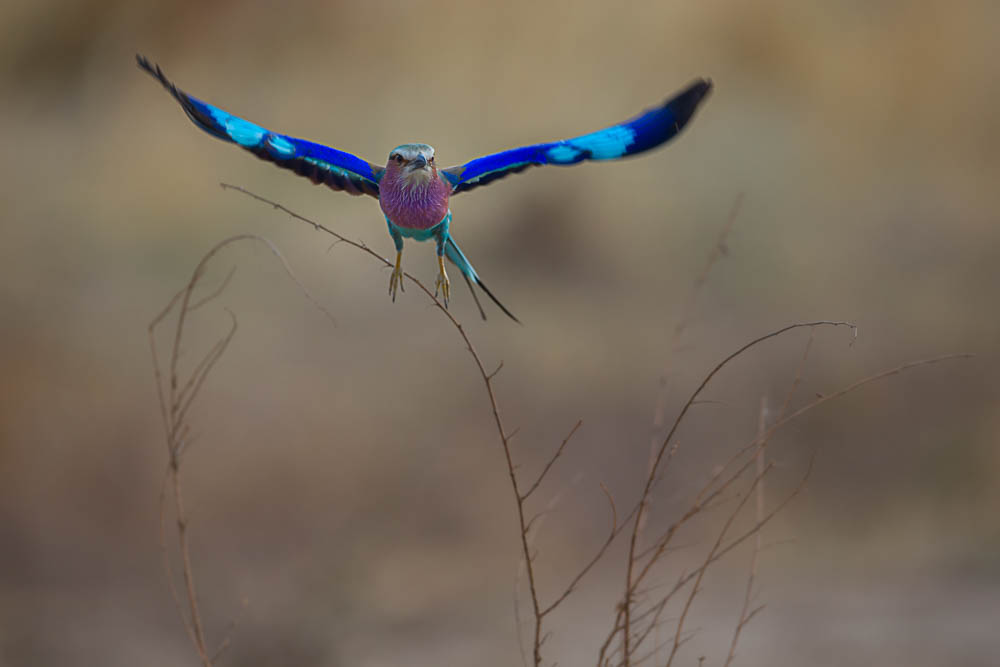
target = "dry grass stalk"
x: 177, y: 392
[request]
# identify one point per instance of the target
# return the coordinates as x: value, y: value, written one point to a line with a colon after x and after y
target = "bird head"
x: 414, y: 162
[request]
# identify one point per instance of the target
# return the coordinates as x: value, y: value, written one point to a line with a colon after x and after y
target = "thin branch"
x: 168, y: 568
x: 216, y: 292
x: 723, y: 551
x: 798, y: 375
x: 623, y: 618
x: 699, y: 502
x: 552, y: 460
x: 182, y: 405
x: 701, y: 571
x: 612, y: 534
x: 824, y: 398
x: 518, y: 625
x: 664, y: 448
x: 687, y: 310
x: 718, y: 251
x: 745, y: 613
x: 745, y: 616
x: 233, y: 625
x: 175, y: 399
x: 185, y: 397
x: 188, y: 572
x: 861, y: 383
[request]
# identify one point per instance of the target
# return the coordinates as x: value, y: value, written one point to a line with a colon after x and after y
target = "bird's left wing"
x: 645, y: 131
x: 319, y: 163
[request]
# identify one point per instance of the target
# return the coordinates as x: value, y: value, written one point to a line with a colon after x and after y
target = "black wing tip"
x: 698, y: 89
x: 684, y: 104
x: 151, y: 68
x: 497, y: 302
x: 154, y: 71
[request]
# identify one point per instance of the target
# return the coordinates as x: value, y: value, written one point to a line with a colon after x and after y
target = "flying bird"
x: 412, y: 191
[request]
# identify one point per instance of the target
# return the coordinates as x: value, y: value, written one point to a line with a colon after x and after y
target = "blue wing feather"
x: 645, y: 131
x: 321, y: 164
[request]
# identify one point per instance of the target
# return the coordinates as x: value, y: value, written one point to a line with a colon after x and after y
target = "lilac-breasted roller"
x: 412, y: 192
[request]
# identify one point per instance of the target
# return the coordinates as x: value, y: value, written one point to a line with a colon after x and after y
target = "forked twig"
x: 662, y: 451
x: 746, y: 614
x: 623, y: 621
x: 704, y: 568
x: 551, y: 462
x: 176, y: 396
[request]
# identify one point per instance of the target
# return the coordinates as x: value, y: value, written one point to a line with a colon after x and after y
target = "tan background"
x: 347, y: 480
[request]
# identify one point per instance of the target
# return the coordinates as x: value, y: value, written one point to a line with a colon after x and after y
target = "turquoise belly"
x: 421, y: 234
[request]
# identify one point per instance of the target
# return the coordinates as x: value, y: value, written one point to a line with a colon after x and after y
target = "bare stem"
x: 176, y: 395
x: 683, y: 322
x: 745, y: 613
x: 552, y: 460
x: 654, y: 471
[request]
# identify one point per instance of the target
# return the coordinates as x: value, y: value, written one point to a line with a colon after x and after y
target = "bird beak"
x: 418, y: 162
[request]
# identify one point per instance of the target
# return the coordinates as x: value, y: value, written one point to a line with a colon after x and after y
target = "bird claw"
x: 443, y: 285
x: 396, y: 280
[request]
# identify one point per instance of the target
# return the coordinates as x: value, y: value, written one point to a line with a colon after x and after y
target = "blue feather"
x: 322, y: 164
x: 646, y: 131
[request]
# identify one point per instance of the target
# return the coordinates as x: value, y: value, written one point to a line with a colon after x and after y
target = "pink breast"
x: 415, y: 205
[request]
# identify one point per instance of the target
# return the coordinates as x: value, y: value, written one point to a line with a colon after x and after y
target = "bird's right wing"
x: 642, y: 133
x: 319, y: 163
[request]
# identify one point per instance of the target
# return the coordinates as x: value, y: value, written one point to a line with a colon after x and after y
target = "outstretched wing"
x: 321, y: 164
x: 642, y: 133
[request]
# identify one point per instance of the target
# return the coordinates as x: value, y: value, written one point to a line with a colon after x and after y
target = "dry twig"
x: 622, y: 628
x: 718, y: 251
x: 745, y: 612
x: 176, y: 396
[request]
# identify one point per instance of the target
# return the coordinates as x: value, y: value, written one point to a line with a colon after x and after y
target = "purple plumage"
x: 413, y: 199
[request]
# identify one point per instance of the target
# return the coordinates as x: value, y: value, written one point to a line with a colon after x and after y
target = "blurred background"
x: 347, y: 480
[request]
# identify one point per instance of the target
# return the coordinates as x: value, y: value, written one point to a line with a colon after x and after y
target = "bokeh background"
x: 347, y: 481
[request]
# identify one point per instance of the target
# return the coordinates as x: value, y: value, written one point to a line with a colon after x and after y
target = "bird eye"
x: 397, y: 157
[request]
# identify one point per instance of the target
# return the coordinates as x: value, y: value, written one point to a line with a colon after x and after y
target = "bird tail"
x: 454, y: 253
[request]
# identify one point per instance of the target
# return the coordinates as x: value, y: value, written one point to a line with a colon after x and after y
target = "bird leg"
x: 396, y: 279
x: 442, y: 283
